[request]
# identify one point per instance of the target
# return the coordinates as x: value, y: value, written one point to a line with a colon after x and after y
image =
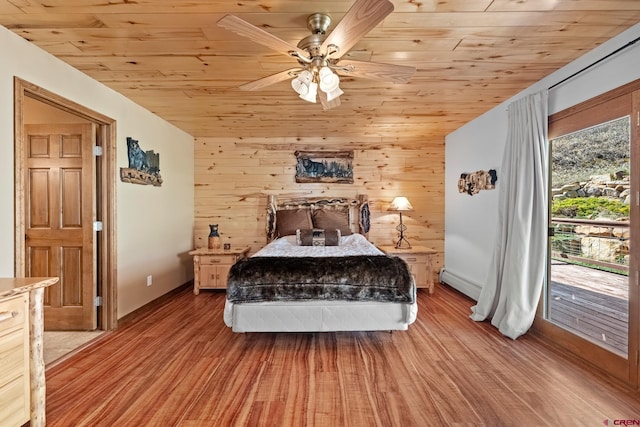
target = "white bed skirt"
x: 319, y: 316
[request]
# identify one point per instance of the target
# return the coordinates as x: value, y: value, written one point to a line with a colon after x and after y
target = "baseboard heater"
x: 460, y: 283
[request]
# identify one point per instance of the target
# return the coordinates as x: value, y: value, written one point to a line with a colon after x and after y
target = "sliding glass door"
x: 588, y: 304
x: 589, y: 267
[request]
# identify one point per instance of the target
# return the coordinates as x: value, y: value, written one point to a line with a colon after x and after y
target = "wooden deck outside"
x: 591, y: 303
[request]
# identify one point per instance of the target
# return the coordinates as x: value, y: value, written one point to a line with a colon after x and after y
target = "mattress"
x: 319, y: 315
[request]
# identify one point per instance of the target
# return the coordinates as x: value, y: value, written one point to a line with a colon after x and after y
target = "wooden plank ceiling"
x: 172, y: 58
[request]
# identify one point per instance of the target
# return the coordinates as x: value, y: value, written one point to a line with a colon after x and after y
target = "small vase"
x: 214, y: 237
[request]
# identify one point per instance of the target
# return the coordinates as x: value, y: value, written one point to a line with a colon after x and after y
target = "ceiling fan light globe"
x: 305, y: 77
x: 329, y: 81
x: 310, y: 96
x: 324, y: 72
x: 329, y: 84
x: 334, y: 94
x: 300, y: 87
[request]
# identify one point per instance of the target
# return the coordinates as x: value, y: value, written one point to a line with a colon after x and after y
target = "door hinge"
x: 97, y: 225
x: 97, y: 301
x: 97, y: 150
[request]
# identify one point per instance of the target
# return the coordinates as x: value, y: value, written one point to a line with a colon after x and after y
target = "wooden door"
x: 59, y: 210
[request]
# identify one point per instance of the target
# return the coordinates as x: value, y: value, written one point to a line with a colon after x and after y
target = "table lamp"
x: 401, y: 204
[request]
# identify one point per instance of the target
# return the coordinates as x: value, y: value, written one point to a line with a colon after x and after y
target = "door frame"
x: 625, y: 369
x: 105, y: 244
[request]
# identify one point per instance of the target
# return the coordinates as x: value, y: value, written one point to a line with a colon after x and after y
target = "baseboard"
x: 461, y: 283
x: 137, y: 314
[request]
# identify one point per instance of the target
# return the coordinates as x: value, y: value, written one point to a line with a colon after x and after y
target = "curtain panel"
x: 512, y: 290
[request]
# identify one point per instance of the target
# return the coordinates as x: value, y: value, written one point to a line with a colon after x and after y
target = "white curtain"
x: 511, y: 293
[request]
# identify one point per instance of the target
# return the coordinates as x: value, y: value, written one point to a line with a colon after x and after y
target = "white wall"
x: 154, y: 224
x: 470, y: 221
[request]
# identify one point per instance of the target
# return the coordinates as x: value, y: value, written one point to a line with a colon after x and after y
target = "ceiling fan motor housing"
x: 317, y: 23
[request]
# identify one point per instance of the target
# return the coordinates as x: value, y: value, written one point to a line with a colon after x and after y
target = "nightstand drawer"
x: 412, y: 258
x: 216, y: 260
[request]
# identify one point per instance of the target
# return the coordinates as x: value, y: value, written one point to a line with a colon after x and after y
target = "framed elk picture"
x: 324, y: 166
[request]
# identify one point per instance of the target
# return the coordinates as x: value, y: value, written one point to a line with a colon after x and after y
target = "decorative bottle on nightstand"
x: 214, y: 237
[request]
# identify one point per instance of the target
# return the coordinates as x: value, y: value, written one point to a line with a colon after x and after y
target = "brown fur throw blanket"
x: 351, y: 278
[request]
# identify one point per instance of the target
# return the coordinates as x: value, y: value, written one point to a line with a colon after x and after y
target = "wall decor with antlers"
x: 472, y: 183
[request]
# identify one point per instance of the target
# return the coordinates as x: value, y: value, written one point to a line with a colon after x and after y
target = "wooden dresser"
x: 418, y: 258
x: 211, y: 266
x: 14, y: 353
x: 22, y: 380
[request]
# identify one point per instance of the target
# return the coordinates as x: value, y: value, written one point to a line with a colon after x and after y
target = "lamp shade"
x: 334, y: 94
x: 401, y: 204
x: 329, y: 81
x: 302, y: 82
x: 311, y: 93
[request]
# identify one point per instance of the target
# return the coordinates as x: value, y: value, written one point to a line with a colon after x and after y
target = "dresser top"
x: 12, y: 286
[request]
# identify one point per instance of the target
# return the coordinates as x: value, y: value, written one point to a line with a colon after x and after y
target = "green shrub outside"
x: 589, y: 208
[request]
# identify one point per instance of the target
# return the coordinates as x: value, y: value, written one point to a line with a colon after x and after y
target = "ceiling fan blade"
x: 269, y: 80
x: 326, y: 104
x: 361, y: 18
x: 258, y: 35
x: 375, y: 71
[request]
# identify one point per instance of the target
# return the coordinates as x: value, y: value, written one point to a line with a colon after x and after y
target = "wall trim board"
x: 461, y: 283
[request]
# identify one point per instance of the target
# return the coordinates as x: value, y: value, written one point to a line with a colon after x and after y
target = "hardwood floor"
x: 180, y: 366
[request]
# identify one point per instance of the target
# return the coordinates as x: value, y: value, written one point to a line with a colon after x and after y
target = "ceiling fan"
x: 320, y: 55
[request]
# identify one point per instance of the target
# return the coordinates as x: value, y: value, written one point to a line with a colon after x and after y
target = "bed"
x: 319, y: 273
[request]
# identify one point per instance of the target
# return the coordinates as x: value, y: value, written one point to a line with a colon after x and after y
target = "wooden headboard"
x: 359, y: 214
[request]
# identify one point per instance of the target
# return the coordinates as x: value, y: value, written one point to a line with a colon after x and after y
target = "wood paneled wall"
x: 234, y: 176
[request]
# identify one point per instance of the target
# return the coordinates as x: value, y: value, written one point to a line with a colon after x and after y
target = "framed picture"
x: 324, y: 166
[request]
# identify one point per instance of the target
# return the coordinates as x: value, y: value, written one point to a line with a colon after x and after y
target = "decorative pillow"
x: 331, y: 220
x: 317, y: 237
x: 289, y: 220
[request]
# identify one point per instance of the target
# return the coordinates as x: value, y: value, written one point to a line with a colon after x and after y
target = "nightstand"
x: 419, y: 260
x: 211, y: 266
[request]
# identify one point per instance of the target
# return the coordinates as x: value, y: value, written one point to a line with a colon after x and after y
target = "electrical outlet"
x: 149, y: 280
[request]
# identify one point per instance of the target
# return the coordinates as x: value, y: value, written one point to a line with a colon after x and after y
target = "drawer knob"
x: 8, y: 315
